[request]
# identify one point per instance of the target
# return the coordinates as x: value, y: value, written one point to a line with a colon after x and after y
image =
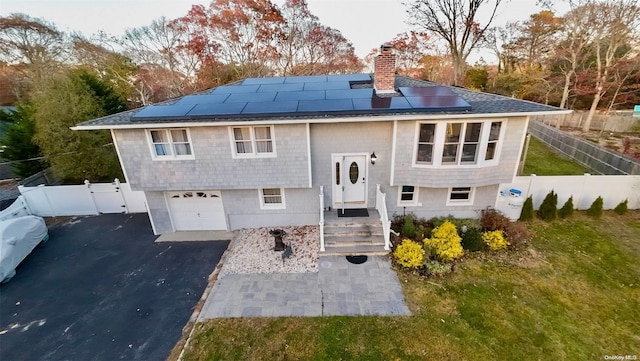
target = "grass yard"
x: 542, y: 160
x: 574, y: 295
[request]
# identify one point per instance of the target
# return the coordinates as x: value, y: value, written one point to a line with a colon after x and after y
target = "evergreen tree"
x: 527, y: 210
x: 18, y: 142
x: 548, y: 210
x: 567, y: 209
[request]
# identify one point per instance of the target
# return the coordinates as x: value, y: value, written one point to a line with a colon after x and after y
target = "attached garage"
x: 196, y: 210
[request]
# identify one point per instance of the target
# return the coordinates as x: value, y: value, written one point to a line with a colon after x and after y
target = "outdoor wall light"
x: 373, y: 158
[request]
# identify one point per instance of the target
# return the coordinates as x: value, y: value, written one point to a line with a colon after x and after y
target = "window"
x: 458, y: 143
x: 272, y: 198
x: 252, y: 141
x: 460, y: 196
x: 408, y: 196
x: 425, y: 143
x: 170, y: 143
x: 461, y: 143
x: 492, y: 144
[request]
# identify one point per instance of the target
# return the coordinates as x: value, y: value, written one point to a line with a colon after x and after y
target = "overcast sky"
x: 366, y: 23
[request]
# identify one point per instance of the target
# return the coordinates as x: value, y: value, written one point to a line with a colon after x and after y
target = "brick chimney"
x: 384, y: 70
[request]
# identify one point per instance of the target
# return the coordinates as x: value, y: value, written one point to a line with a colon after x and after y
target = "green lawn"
x: 542, y: 160
x: 573, y: 295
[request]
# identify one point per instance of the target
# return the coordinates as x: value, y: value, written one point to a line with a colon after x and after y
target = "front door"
x: 350, y: 180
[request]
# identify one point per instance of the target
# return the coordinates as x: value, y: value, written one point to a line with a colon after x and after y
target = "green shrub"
x: 596, y: 208
x: 622, y: 207
x: 472, y: 240
x: 527, y: 210
x: 495, y: 240
x: 548, y: 210
x: 437, y: 269
x: 493, y: 220
x: 408, y: 228
x: 567, y: 209
x: 445, y: 242
x: 409, y: 254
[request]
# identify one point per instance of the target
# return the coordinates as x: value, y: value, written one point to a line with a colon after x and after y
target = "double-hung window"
x: 426, y: 141
x: 408, y: 196
x: 170, y: 144
x: 272, y: 198
x: 461, y: 143
x: 460, y: 196
x: 256, y: 141
x: 492, y: 143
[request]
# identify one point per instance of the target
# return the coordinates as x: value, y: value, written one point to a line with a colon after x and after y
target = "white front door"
x: 350, y: 180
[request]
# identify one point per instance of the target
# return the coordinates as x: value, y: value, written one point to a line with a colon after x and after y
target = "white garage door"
x: 197, y: 210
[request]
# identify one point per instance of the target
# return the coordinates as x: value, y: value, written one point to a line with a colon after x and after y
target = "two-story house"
x: 257, y: 152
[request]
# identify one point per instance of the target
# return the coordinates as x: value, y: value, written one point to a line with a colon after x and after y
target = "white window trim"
x: 270, y: 206
x: 438, y: 145
x: 254, y: 154
x: 468, y: 202
x: 173, y: 156
x: 411, y: 203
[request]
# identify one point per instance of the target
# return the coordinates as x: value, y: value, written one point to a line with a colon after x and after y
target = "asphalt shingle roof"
x: 480, y: 103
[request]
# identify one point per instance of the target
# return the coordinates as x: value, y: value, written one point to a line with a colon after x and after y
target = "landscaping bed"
x: 572, y: 293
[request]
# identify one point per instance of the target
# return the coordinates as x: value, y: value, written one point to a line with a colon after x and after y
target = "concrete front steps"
x: 349, y: 236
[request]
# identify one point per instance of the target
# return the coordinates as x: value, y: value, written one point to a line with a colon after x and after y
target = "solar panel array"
x: 303, y: 95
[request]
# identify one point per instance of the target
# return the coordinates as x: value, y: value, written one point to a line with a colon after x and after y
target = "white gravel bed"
x: 252, y: 251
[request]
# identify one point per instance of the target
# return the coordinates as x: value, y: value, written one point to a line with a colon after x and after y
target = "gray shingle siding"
x: 159, y: 212
x: 213, y: 166
x: 243, y: 209
x: 434, y: 202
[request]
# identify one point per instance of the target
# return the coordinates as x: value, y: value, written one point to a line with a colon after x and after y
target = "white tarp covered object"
x: 18, y: 237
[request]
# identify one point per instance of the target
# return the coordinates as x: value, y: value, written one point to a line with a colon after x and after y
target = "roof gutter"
x: 382, y: 118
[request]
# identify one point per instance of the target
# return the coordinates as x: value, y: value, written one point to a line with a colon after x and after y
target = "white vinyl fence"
x: 80, y: 200
x: 584, y: 188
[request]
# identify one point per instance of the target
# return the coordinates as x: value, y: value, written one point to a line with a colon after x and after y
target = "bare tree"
x: 576, y: 34
x: 159, y: 46
x: 33, y: 47
x: 455, y: 21
x: 616, y: 24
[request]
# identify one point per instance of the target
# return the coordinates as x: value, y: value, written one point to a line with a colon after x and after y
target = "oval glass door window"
x: 353, y: 172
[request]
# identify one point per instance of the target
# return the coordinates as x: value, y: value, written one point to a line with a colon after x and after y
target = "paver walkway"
x: 338, y: 288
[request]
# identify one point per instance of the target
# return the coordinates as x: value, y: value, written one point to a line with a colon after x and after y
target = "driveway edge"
x: 193, y: 320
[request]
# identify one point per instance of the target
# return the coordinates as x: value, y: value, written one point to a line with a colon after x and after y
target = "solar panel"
x: 305, y: 95
x: 301, y: 95
x: 441, y: 103
x: 227, y: 89
x: 261, y: 81
x: 217, y: 109
x: 169, y: 110
x: 288, y: 106
x: 251, y: 97
x: 350, y: 93
x: 349, y: 77
x: 203, y: 98
x: 306, y: 79
x: 281, y: 87
x: 332, y: 105
x: 327, y: 85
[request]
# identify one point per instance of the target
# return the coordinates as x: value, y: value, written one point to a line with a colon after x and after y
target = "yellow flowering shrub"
x: 495, y: 240
x: 445, y: 242
x: 409, y: 254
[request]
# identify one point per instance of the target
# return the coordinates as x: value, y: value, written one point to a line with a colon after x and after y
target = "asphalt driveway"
x: 101, y: 289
